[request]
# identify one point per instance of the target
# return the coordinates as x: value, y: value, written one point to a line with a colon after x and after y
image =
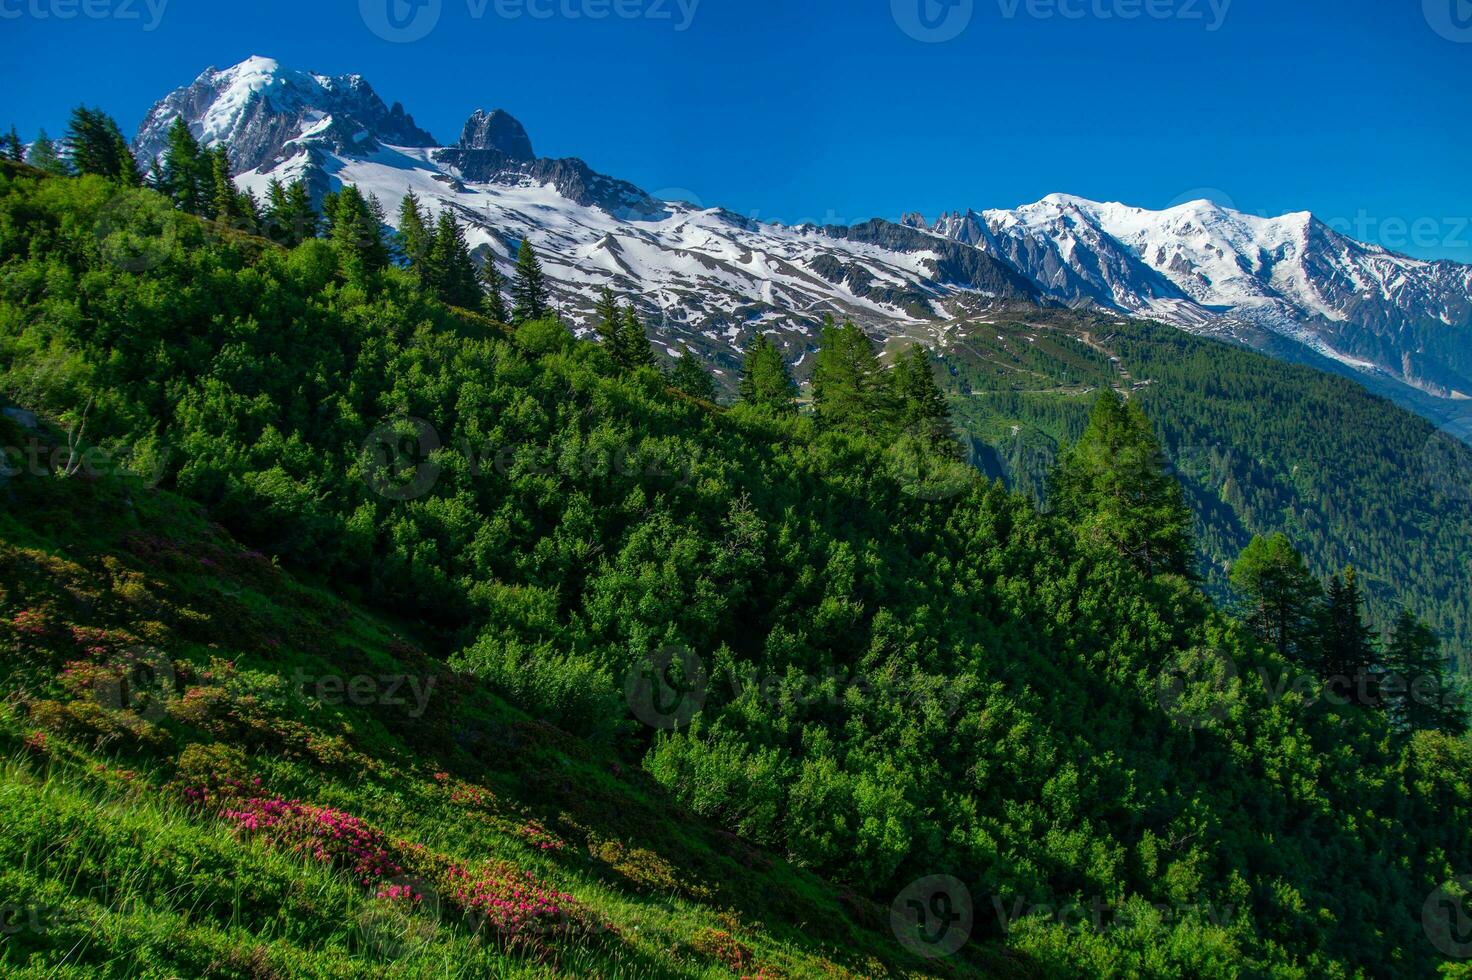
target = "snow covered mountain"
x: 1209, y: 268
x: 710, y: 279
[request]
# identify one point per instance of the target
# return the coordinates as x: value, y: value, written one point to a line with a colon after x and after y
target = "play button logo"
x: 1452, y: 19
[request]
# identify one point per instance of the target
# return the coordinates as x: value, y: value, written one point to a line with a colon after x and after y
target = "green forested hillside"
x: 820, y: 632
x: 1260, y: 446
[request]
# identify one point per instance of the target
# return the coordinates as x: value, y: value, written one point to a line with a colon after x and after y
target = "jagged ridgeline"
x: 871, y: 661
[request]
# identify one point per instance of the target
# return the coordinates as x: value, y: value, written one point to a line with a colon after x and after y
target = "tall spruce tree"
x: 1348, y: 651
x: 13, y: 148
x: 850, y: 388
x: 633, y: 351
x: 495, y: 287
x: 98, y: 147
x: 691, y: 377
x: 923, y: 410
x: 300, y: 219
x: 44, y: 156
x: 185, y: 170
x: 414, y: 239
x: 609, y: 320
x: 223, y: 202
x: 357, y: 236
x: 1417, y: 688
x: 765, y: 381
x: 1280, y: 595
x: 1114, y: 486
x: 528, y: 289
x: 451, y: 271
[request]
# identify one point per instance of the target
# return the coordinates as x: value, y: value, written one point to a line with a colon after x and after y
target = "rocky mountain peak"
x: 496, y: 130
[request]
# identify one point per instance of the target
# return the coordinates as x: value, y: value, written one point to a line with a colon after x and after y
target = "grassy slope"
x: 115, y: 873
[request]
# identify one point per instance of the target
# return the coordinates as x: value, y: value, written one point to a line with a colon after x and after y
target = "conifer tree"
x: 451, y: 271
x: 691, y: 377
x: 223, y: 200
x: 1279, y: 593
x: 633, y: 350
x: 765, y: 381
x: 184, y: 170
x: 1114, y: 487
x: 300, y: 218
x: 43, y: 156
x: 13, y: 149
x: 495, y: 287
x: 923, y: 411
x: 528, y: 289
x: 1417, y: 690
x: 98, y: 147
x: 1348, y: 654
x: 850, y: 389
x: 413, y: 237
x: 610, y: 320
x: 357, y: 236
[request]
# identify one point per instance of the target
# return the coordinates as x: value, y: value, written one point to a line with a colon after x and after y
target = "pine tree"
x: 43, y: 156
x: 184, y: 171
x: 691, y: 377
x: 495, y: 285
x: 300, y: 218
x: 633, y: 350
x: 528, y: 289
x: 223, y: 200
x: 98, y: 147
x: 1114, y: 487
x: 1347, y: 658
x: 13, y: 149
x: 765, y: 381
x: 923, y: 411
x: 357, y: 235
x: 610, y: 320
x: 1280, y: 594
x: 1417, y: 690
x: 850, y: 389
x: 413, y: 236
x: 451, y: 272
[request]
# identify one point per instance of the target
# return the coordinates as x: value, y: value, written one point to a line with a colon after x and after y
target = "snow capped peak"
x: 496, y: 130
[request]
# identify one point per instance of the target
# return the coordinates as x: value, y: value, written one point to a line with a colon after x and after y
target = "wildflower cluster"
x: 324, y: 834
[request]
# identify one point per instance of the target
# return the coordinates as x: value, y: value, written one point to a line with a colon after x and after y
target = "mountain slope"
x: 1208, y: 268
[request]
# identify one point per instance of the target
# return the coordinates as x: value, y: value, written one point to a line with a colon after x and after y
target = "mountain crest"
x: 497, y: 130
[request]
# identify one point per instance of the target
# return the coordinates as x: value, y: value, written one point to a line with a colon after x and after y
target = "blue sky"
x: 1359, y: 110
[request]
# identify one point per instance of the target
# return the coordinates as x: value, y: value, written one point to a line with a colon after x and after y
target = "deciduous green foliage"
x: 765, y: 381
x: 98, y: 147
x: 1113, y: 486
x: 899, y: 685
x: 691, y: 377
x: 1281, y: 596
x: 528, y: 290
